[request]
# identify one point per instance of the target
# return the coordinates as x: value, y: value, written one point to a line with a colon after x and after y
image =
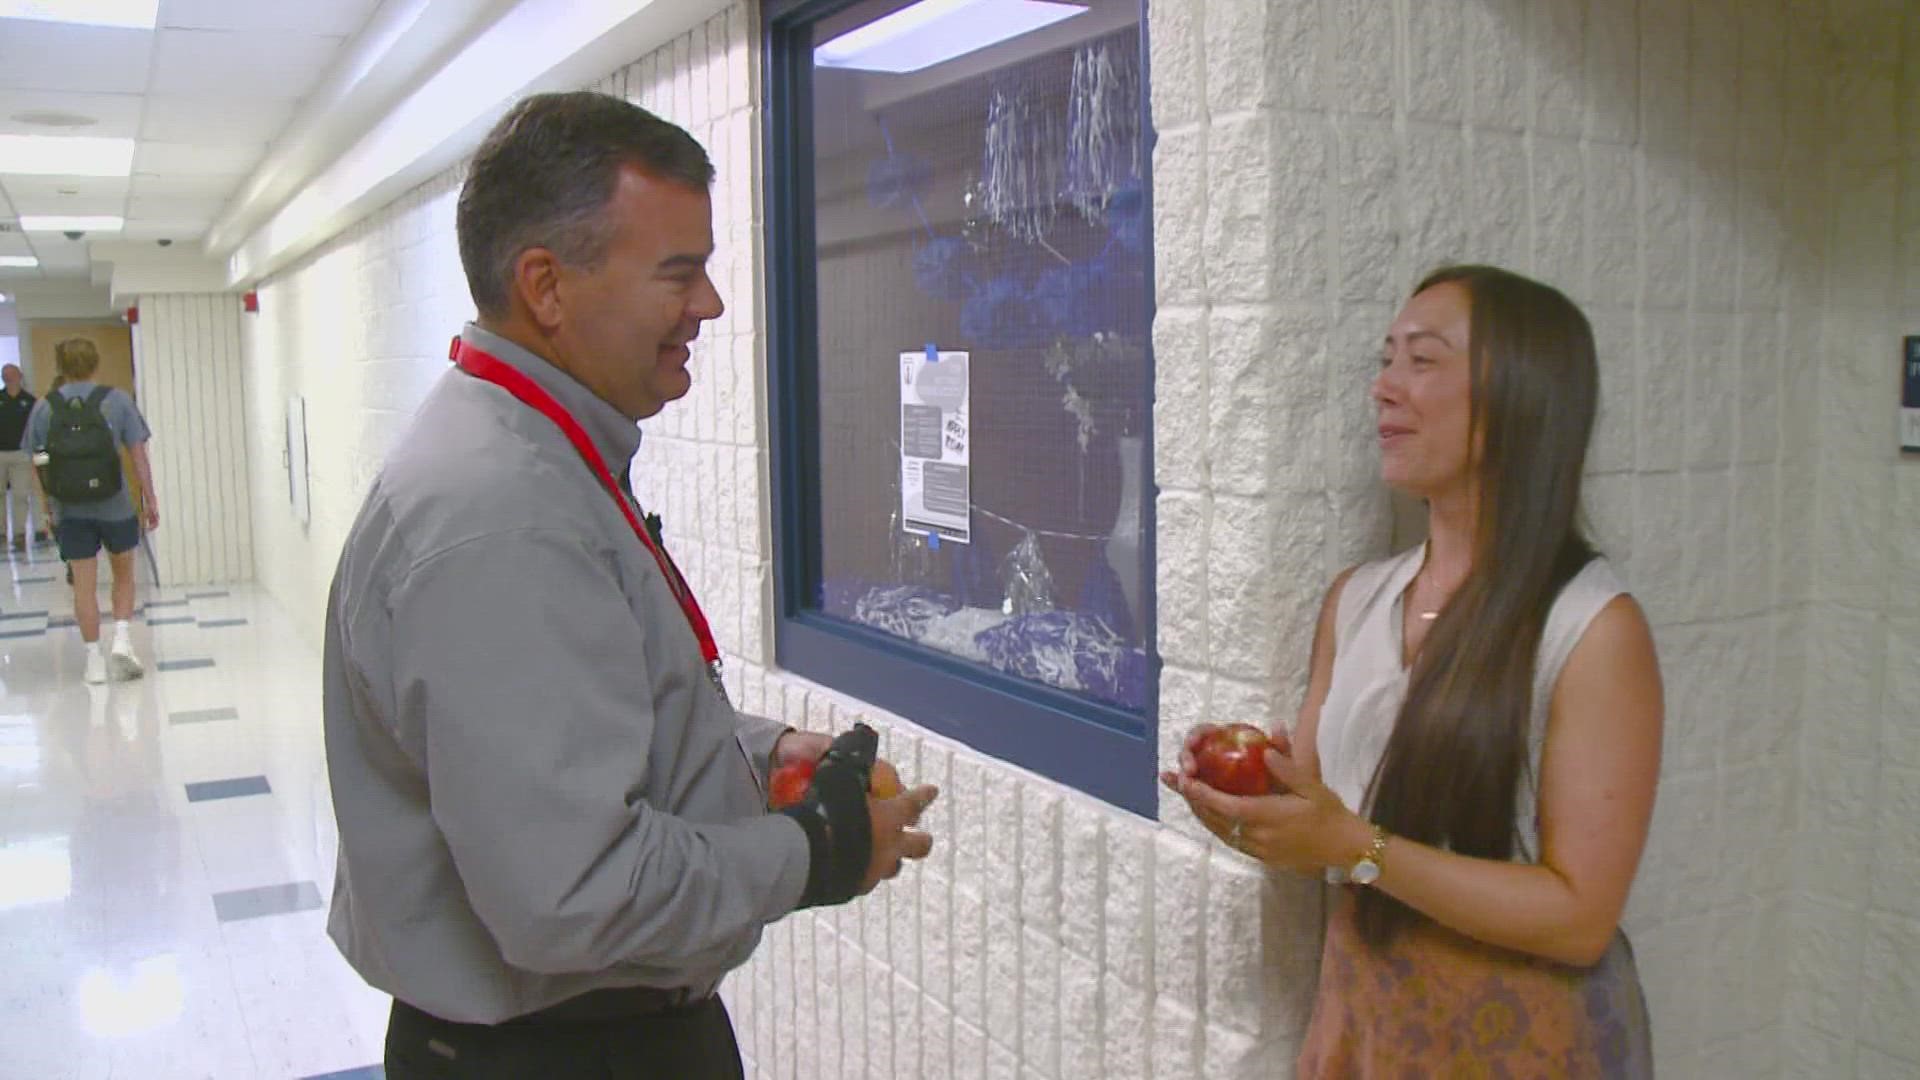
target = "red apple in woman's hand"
x: 1233, y: 759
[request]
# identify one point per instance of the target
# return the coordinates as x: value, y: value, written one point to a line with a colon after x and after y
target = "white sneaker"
x: 96, y: 665
x: 122, y: 661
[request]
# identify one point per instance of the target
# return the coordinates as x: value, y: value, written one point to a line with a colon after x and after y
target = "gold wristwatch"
x: 1367, y: 870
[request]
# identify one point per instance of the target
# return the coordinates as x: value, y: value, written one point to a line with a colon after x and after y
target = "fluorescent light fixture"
x: 18, y: 262
x: 59, y: 223
x: 138, y: 14
x: 935, y: 31
x: 65, y: 155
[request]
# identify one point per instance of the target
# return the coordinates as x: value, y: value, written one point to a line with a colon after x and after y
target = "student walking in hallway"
x: 77, y: 435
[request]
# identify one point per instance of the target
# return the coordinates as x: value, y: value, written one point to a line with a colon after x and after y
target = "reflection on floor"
x: 166, y: 847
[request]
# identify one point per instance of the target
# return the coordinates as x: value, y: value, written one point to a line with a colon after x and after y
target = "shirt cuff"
x: 758, y: 736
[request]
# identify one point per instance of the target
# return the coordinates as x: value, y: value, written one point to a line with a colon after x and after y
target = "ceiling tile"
x: 115, y: 115
x: 201, y: 119
x: 239, y: 64
x: 60, y: 252
x: 61, y: 56
x: 180, y: 232
x: 48, y: 189
x: 175, y: 208
x: 49, y: 195
x: 339, y: 18
x: 173, y: 159
x: 183, y: 186
x: 23, y: 207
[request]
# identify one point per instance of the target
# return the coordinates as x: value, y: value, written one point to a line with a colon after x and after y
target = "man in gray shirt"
x: 554, y: 840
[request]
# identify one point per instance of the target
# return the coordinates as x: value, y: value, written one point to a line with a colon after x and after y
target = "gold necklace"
x: 1425, y: 616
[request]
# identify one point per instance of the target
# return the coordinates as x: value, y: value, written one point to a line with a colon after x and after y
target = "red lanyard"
x: 483, y: 365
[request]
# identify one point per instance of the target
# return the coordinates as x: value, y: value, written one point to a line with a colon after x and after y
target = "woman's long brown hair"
x: 1451, y: 773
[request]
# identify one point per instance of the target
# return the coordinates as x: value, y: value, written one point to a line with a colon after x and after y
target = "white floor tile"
x: 115, y: 961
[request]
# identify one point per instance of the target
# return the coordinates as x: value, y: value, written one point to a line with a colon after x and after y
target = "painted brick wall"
x: 1710, y: 179
x: 1854, y: 931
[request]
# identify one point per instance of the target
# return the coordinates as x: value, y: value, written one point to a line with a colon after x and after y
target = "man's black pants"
x: 688, y: 1042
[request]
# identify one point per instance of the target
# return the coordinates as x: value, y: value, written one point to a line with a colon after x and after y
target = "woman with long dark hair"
x: 1475, y: 761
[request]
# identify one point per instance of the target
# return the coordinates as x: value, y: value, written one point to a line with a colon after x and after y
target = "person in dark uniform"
x: 16, y: 468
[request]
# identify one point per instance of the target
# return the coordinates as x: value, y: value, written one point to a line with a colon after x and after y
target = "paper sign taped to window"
x: 936, y: 453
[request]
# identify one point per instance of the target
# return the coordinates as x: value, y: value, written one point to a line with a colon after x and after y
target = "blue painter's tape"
x: 933, y: 541
x: 933, y: 353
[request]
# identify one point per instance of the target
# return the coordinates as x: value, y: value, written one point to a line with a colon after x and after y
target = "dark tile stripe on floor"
x: 182, y: 665
x: 166, y: 603
x: 31, y: 580
x: 210, y: 790
x: 14, y: 634
x: 213, y: 595
x: 202, y: 716
x: 270, y: 900
x: 12, y: 615
x: 172, y: 621
x: 215, y: 624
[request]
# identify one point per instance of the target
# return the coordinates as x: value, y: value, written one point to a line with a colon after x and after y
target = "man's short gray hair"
x: 544, y: 176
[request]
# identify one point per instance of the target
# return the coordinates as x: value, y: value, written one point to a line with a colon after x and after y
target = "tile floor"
x: 166, y: 848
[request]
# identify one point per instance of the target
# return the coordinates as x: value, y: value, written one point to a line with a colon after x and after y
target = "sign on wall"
x: 296, y: 456
x: 1910, y: 396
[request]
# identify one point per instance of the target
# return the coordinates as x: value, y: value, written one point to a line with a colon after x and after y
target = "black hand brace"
x: 834, y: 815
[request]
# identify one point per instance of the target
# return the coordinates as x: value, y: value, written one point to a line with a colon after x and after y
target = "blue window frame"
x: 929, y: 188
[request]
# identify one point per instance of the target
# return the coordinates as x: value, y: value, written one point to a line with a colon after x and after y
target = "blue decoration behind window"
x: 993, y: 203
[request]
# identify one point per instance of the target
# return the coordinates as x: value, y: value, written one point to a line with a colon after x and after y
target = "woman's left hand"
x: 1306, y: 828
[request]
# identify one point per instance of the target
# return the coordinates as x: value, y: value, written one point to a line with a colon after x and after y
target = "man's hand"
x: 894, y: 837
x: 797, y: 746
x: 153, y: 516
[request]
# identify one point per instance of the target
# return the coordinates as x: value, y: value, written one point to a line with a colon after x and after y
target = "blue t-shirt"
x: 129, y: 429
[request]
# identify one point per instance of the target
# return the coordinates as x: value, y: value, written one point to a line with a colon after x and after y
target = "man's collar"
x: 616, y: 437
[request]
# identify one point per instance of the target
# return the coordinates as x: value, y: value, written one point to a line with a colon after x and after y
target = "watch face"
x: 1364, y: 872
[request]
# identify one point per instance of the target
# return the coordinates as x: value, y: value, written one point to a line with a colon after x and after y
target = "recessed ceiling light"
x: 138, y: 14
x: 4, y: 298
x: 65, y: 155
x: 18, y: 262
x: 71, y: 223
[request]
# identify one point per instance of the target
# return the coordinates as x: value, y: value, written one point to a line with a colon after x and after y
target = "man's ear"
x: 536, y: 281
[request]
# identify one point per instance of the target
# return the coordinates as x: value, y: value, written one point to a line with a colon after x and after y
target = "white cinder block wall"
x: 1713, y: 180
x: 188, y: 360
x: 1854, y: 931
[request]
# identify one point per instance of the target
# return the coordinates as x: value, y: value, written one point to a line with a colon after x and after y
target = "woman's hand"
x: 1305, y: 829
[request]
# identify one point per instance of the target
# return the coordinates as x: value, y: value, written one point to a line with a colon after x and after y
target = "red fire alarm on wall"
x: 250, y: 300
x: 133, y: 315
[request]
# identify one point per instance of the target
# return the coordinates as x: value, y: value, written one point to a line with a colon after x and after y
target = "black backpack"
x: 83, y: 461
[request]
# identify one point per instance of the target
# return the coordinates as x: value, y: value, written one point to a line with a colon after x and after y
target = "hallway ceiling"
x: 203, y: 95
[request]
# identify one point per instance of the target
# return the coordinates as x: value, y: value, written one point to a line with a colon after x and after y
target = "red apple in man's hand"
x: 1233, y: 759
x: 789, y: 783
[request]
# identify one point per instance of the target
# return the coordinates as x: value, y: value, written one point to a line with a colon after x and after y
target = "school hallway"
x: 166, y: 847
